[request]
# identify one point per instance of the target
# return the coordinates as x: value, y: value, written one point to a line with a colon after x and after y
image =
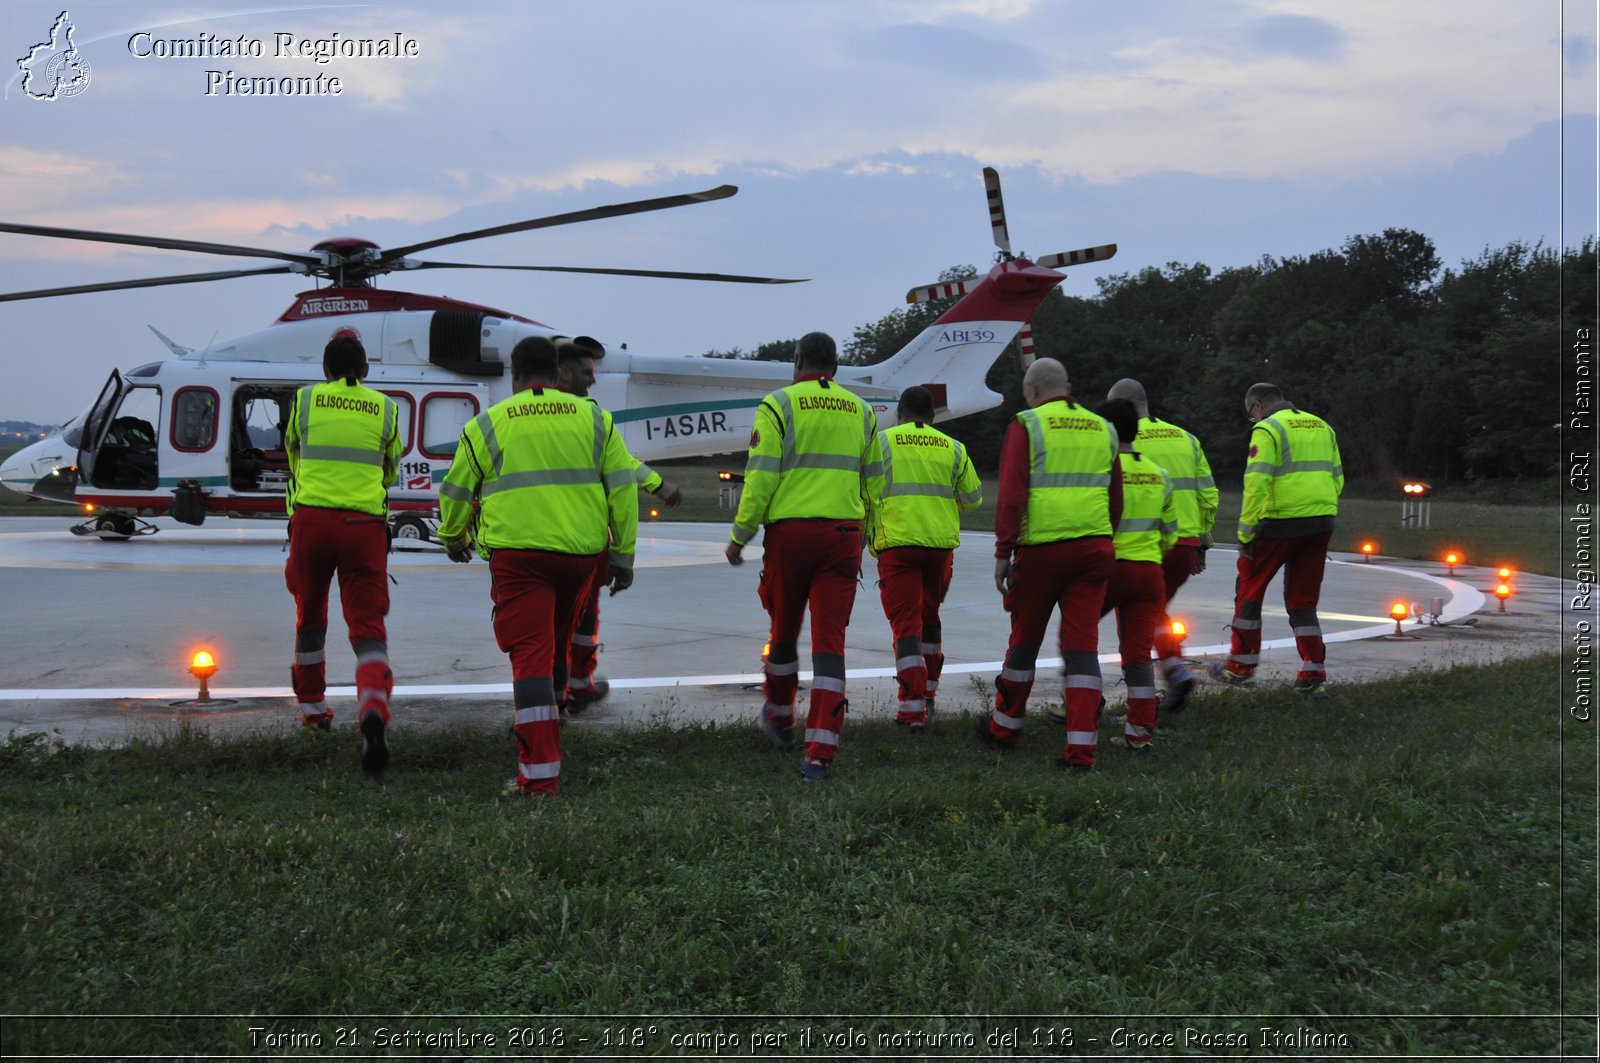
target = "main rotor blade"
x: 997, y: 209
x: 592, y: 214
x: 160, y: 241
x: 669, y: 274
x: 1074, y: 258
x: 147, y: 282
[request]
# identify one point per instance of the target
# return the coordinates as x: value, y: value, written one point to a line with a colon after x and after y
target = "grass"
x: 1407, y: 865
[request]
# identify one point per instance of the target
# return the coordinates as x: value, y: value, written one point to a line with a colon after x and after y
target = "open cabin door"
x: 97, y: 422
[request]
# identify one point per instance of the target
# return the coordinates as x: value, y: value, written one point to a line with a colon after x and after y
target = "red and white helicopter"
x: 202, y: 432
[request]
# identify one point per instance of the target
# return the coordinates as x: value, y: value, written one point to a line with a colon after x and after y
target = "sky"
x: 856, y: 130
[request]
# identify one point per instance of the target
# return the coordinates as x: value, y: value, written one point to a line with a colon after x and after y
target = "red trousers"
x: 1302, y: 560
x: 912, y: 582
x: 1176, y: 568
x: 1072, y: 575
x: 536, y: 593
x: 582, y: 661
x: 811, y: 563
x: 355, y: 547
x: 1138, y: 594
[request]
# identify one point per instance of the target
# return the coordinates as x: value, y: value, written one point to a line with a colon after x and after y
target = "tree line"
x: 1448, y: 374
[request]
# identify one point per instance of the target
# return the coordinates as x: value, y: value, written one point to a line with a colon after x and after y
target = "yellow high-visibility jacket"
x: 927, y: 480
x: 1293, y: 470
x: 1070, y: 453
x: 551, y: 473
x: 1149, y: 524
x: 814, y: 453
x: 1194, y: 492
x: 343, y: 443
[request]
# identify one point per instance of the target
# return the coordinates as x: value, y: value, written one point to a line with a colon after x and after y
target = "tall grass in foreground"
x: 1411, y: 862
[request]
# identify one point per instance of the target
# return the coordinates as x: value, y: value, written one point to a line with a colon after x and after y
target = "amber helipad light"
x: 1179, y: 629
x: 1503, y: 575
x: 1367, y: 550
x: 1399, y: 611
x: 1451, y: 560
x: 203, y: 666
x: 654, y: 513
x: 1503, y: 591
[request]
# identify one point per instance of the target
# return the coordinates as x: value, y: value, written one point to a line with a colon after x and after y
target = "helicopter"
x: 201, y: 433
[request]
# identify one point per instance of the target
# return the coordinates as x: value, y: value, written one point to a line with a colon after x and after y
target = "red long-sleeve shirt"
x: 1011, y: 500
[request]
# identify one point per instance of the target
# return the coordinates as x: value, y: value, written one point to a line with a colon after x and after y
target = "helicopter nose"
x: 44, y: 469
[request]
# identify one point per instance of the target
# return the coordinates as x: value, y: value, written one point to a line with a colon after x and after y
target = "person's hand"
x: 621, y: 579
x: 669, y: 494
x: 1245, y: 550
x: 735, y: 554
x: 1002, y: 575
x: 1199, y: 562
x: 460, y: 553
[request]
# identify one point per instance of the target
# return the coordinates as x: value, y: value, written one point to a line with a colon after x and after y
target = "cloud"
x: 1295, y: 35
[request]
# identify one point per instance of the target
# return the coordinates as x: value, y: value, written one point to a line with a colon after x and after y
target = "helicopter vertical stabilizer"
x: 957, y: 350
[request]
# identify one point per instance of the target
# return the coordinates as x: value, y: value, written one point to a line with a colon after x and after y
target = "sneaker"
x: 779, y: 735
x: 1133, y: 745
x: 918, y: 726
x: 374, y: 749
x: 1076, y: 769
x: 987, y: 736
x: 1221, y: 674
x: 1314, y: 688
x: 1177, y: 693
x: 513, y: 788
x: 578, y: 700
x: 320, y: 722
x: 813, y: 770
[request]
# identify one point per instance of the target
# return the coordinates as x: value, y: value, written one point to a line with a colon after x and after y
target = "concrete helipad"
x: 100, y: 633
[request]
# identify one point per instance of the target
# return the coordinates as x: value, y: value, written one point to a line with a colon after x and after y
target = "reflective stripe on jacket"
x: 927, y: 479
x: 343, y: 443
x: 1070, y: 454
x: 1293, y: 470
x: 813, y: 454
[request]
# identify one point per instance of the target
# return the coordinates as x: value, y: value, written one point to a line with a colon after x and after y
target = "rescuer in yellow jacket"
x: 814, y: 467
x: 585, y: 685
x: 1145, y: 535
x: 1059, y: 499
x: 555, y: 487
x: 916, y: 526
x: 1292, y: 481
x: 343, y: 444
x: 1194, y: 494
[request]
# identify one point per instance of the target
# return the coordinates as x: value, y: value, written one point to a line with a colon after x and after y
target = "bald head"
x: 1045, y: 379
x: 1133, y: 391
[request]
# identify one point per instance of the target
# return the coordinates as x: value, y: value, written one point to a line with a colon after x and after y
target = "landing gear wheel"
x: 115, y: 527
x: 411, y: 527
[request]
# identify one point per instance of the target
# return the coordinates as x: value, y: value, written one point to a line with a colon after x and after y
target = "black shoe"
x: 374, y: 749
x: 1177, y: 694
x: 986, y: 734
x: 578, y: 700
x: 1076, y: 769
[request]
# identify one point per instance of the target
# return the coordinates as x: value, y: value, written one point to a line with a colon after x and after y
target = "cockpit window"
x: 194, y: 419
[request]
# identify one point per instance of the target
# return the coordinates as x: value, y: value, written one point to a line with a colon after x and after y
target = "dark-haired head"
x: 344, y: 357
